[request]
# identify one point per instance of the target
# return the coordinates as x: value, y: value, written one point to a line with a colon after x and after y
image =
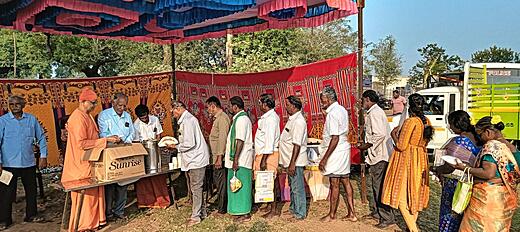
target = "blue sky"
x: 459, y: 26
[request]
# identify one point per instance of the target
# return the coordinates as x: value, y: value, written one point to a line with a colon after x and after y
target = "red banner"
x: 50, y: 100
x: 303, y: 81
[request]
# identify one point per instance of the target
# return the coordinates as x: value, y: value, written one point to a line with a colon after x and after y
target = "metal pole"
x: 361, y: 5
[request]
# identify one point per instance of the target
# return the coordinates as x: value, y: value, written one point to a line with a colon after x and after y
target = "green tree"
x: 93, y: 57
x: 495, y: 54
x: 39, y: 55
x: 277, y: 49
x: 32, y: 57
x: 331, y: 40
x: 434, y: 61
x: 140, y: 58
x: 386, y: 62
x: 201, y: 56
x: 262, y: 51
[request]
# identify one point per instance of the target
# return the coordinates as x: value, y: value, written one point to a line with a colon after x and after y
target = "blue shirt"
x: 110, y: 123
x: 17, y: 137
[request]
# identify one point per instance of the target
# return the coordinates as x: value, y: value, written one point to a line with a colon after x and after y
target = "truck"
x: 483, y: 89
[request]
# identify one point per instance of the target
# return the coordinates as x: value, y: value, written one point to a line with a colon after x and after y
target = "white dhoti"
x: 339, y: 161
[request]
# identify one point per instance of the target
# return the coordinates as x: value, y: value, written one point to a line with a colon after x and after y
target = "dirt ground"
x: 171, y: 219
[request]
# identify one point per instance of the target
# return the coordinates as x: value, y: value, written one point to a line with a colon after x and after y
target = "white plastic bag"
x: 235, y: 184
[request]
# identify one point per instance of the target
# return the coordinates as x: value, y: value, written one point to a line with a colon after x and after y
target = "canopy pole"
x: 361, y: 121
x: 174, y: 77
x: 14, y: 57
x: 174, y: 89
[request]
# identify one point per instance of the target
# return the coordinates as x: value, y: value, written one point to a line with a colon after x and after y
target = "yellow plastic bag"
x: 235, y: 184
x: 462, y: 193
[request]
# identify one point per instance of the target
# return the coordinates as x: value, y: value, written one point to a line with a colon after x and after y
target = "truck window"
x: 434, y: 105
x: 452, y: 103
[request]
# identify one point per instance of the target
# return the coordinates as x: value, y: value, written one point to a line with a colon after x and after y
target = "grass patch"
x: 173, y: 220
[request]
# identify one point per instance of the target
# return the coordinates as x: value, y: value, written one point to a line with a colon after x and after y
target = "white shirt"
x: 244, y: 132
x: 295, y: 133
x: 192, y: 146
x: 377, y: 132
x: 336, y: 123
x: 147, y: 131
x: 267, y: 134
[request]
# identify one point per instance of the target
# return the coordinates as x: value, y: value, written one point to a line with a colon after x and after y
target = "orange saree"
x: 493, y: 205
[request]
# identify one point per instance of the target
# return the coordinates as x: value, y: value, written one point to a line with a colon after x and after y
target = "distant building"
x: 401, y: 85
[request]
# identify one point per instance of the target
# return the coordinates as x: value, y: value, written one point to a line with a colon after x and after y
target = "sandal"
x: 36, y: 219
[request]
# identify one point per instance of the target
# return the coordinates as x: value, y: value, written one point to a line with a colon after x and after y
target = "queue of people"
x: 397, y: 160
x: 483, y: 152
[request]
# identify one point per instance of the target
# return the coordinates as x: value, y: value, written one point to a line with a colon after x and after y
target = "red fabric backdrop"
x: 303, y: 81
x: 50, y: 100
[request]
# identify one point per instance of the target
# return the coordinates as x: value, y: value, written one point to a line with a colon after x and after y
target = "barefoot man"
x: 335, y: 153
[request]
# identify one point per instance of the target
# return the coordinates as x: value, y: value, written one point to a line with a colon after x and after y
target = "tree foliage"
x: 495, y: 54
x: 32, y: 59
x: 43, y: 56
x: 201, y: 56
x: 386, y: 62
x: 434, y: 61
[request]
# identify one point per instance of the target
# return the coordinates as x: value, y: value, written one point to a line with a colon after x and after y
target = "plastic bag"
x: 235, y: 184
x: 462, y: 194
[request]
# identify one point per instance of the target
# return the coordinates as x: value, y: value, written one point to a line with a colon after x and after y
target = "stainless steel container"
x: 153, y: 159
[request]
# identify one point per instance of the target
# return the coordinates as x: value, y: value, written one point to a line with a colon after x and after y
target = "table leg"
x: 78, y: 213
x: 64, y: 225
x: 172, y: 191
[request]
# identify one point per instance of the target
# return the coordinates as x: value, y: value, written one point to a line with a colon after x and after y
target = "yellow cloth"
x: 409, y: 218
x: 318, y: 184
x: 408, y: 164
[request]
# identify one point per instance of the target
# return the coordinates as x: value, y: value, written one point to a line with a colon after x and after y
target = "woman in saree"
x: 406, y: 185
x: 463, y: 146
x: 496, y: 173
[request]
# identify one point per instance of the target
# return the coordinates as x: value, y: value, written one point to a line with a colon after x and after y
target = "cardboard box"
x: 264, y: 180
x: 264, y: 196
x: 118, y: 161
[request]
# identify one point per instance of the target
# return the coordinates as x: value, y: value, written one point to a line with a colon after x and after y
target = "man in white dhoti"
x: 335, y: 153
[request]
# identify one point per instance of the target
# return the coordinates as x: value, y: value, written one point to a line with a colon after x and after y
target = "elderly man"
x: 335, y: 153
x: 151, y: 192
x: 293, y: 155
x: 267, y: 137
x: 217, y: 140
x: 239, y: 161
x: 18, y: 131
x: 379, y: 144
x: 83, y: 137
x: 194, y: 155
x: 116, y: 121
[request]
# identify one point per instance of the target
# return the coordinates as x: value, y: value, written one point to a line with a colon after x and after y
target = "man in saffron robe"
x: 83, y: 136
